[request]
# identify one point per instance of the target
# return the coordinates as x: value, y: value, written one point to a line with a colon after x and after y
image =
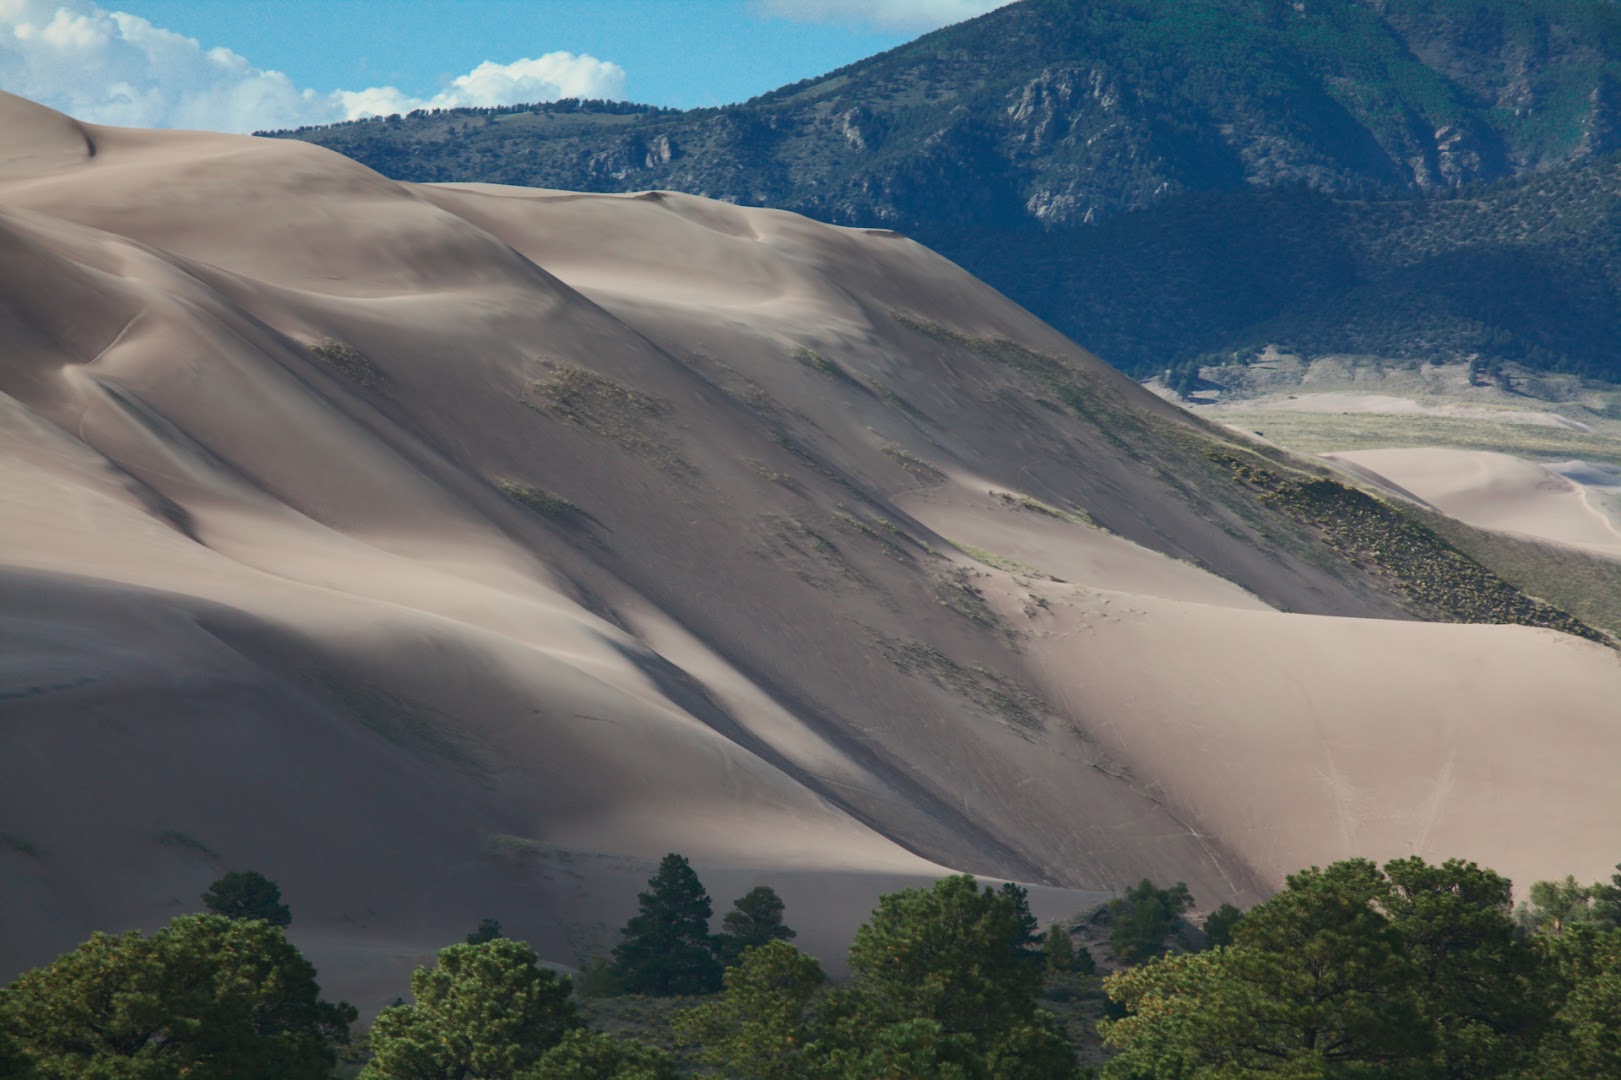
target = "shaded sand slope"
x: 599, y: 526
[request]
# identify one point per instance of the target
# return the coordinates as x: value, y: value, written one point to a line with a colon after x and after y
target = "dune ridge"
x: 450, y: 551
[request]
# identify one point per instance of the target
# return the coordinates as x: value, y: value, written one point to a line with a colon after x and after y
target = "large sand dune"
x: 796, y: 581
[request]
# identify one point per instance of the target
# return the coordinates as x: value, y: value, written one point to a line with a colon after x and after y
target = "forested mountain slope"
x: 1004, y: 141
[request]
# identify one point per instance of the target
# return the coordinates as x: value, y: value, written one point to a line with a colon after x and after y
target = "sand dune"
x: 601, y: 526
x: 1568, y: 504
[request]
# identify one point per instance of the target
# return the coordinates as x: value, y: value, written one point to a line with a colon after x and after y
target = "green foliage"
x: 206, y: 998
x: 185, y: 842
x: 759, y: 1027
x: 351, y: 363
x: 755, y: 919
x: 941, y: 975
x: 1556, y: 906
x: 1141, y: 920
x: 1218, y: 925
x: 1438, y: 580
x: 540, y: 500
x: 1585, y: 1039
x: 1474, y: 977
x: 488, y: 930
x: 1410, y: 971
x: 666, y: 947
x: 1058, y: 950
x: 1311, y: 986
x: 14, y: 1064
x: 586, y: 1055
x: 1029, y: 941
x: 1606, y: 911
x: 483, y: 1011
x: 247, y: 894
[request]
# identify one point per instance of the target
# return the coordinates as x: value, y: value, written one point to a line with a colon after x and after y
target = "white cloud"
x: 905, y: 15
x: 110, y: 67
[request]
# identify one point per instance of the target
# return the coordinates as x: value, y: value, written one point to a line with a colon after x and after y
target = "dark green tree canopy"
x: 1218, y: 925
x: 1143, y: 918
x: 1607, y: 903
x: 482, y: 1011
x: 949, y: 956
x: 761, y: 1026
x: 488, y: 930
x: 1059, y: 949
x: 1474, y: 975
x: 755, y: 919
x: 1030, y: 939
x: 206, y: 998
x: 666, y: 948
x: 1410, y: 971
x: 596, y: 1055
x: 247, y: 894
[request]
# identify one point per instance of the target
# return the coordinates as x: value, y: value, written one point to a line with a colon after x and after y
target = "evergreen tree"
x: 1218, y: 925
x: 1556, y: 906
x: 666, y: 948
x: 755, y: 919
x: 1029, y: 940
x: 1316, y: 983
x: 488, y: 930
x: 13, y: 1064
x: 1059, y: 949
x: 1584, y: 968
x: 1606, y: 912
x: 596, y: 1055
x: 1144, y: 918
x: 205, y: 997
x: 1474, y: 977
x: 940, y: 977
x: 760, y: 1027
x: 247, y: 894
x: 482, y: 1011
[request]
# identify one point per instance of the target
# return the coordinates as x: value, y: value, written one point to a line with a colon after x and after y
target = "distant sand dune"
x: 1499, y: 491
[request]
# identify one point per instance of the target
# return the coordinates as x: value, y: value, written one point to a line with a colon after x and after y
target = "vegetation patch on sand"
x: 1020, y: 501
x: 625, y: 417
x: 351, y: 363
x: 540, y: 500
x: 1438, y: 580
x: 1021, y: 708
x: 407, y: 725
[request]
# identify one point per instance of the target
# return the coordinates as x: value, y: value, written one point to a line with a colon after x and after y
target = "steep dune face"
x: 449, y: 551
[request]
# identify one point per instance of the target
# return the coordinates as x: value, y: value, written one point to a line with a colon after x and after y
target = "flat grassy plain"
x: 1323, y: 433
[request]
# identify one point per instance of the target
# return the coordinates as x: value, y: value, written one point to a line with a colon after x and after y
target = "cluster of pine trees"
x: 1403, y: 971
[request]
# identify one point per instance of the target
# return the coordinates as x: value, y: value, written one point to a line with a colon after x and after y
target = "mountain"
x: 1137, y: 173
x: 452, y: 551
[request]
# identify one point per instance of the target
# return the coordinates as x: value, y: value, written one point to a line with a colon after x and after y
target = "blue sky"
x: 240, y: 65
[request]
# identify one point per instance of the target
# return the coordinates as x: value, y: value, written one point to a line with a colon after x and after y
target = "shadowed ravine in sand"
x: 601, y: 526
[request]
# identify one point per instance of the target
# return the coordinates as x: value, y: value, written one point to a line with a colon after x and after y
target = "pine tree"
x: 488, y: 930
x: 666, y: 948
x: 755, y: 920
x: 1060, y: 950
x: 1218, y: 925
x: 248, y: 894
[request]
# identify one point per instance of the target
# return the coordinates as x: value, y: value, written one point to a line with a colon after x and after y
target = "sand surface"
x: 1571, y: 503
x: 810, y: 594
